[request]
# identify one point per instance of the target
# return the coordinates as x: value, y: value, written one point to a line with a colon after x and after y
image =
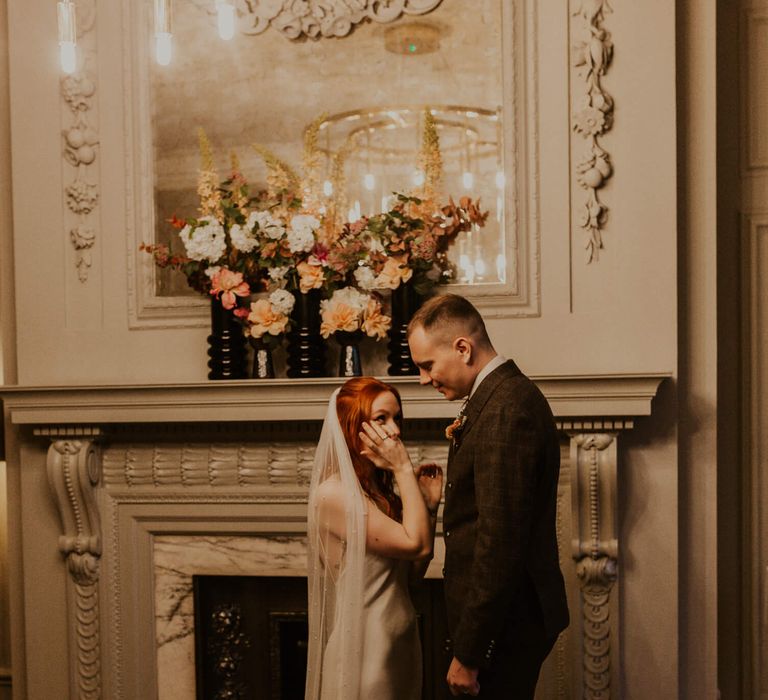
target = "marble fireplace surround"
x: 146, y: 476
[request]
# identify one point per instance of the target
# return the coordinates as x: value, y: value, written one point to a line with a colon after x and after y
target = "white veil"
x: 336, y: 533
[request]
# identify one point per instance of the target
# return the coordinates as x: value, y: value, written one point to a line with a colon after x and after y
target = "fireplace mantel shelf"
x: 585, y: 397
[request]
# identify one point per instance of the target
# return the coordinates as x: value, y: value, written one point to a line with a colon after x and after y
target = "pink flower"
x: 228, y: 285
x: 319, y: 254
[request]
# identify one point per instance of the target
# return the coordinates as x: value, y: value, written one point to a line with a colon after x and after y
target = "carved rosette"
x: 73, y: 472
x: 326, y: 18
x: 592, y: 117
x: 79, y: 145
x: 595, y: 550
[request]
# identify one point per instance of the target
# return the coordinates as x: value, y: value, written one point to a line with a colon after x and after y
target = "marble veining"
x: 176, y: 559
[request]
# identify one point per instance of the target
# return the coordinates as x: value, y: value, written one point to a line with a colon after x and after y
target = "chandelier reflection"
x: 369, y: 154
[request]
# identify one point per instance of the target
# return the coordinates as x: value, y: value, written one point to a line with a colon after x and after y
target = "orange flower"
x: 375, y: 323
x: 264, y: 319
x: 310, y: 276
x: 338, y: 317
x: 229, y: 285
x: 395, y: 272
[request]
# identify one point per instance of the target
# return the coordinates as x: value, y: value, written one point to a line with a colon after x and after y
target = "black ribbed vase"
x: 306, y: 347
x: 405, y: 302
x: 226, y: 344
x: 350, y: 364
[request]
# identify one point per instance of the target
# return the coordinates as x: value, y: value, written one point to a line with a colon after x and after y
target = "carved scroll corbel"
x: 595, y: 550
x: 73, y: 473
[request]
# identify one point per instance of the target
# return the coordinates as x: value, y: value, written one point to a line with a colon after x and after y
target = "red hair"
x: 354, y: 404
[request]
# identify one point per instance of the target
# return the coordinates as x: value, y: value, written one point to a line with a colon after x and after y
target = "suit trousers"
x: 516, y: 666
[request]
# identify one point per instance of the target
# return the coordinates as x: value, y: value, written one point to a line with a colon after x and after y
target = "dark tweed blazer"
x: 501, y: 564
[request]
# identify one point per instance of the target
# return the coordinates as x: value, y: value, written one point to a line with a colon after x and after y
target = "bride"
x: 365, y: 539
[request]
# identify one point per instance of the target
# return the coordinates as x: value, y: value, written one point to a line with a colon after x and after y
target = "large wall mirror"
x: 464, y: 61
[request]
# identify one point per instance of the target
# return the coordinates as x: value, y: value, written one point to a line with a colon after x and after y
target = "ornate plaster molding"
x: 80, y: 139
x: 326, y: 18
x: 593, y: 462
x: 73, y: 473
x: 273, y: 465
x: 591, y: 56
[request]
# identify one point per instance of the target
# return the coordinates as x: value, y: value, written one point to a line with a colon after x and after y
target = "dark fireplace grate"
x: 251, y: 637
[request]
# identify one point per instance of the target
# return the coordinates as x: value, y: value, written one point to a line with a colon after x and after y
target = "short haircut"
x: 448, y: 316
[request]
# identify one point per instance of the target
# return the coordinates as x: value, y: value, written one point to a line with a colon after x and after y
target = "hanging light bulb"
x: 467, y: 179
x: 163, y: 38
x: 369, y: 182
x: 225, y: 12
x: 327, y: 188
x: 418, y: 178
x: 67, y: 36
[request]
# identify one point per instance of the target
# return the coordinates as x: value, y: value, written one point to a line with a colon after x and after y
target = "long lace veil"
x: 336, y: 529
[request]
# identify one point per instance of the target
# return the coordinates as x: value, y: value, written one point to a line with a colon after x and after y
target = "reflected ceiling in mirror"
x: 266, y: 89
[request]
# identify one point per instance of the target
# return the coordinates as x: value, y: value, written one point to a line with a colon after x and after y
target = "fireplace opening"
x: 251, y: 637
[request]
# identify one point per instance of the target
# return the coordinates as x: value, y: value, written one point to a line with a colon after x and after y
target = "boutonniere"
x: 453, y: 431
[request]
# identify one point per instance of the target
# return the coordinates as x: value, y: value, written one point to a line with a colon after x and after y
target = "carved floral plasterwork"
x: 326, y: 18
x: 592, y: 117
x: 80, y: 140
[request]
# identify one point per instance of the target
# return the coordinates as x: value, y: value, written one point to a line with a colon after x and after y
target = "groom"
x: 504, y: 591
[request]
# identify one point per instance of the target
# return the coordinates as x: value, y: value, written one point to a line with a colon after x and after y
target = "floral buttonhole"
x: 453, y: 431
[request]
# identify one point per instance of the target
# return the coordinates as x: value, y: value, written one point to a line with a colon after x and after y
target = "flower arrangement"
x: 411, y: 241
x: 349, y: 310
x: 288, y: 240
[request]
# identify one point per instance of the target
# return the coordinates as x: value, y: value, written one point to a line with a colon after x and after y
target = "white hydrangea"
x: 282, y: 301
x: 351, y: 297
x: 365, y: 277
x: 212, y: 271
x: 242, y: 238
x: 277, y: 274
x: 301, y: 236
x: 271, y: 227
x: 206, y: 241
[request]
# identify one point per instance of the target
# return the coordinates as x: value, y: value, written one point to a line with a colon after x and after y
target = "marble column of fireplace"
x: 154, y: 484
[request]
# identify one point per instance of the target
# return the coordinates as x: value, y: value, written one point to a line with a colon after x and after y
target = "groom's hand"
x: 462, y: 680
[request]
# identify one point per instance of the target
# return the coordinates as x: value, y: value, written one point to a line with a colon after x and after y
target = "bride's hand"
x: 385, y: 450
x: 430, y: 478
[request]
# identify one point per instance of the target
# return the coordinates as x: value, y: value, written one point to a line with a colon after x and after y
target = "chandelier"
x: 370, y: 154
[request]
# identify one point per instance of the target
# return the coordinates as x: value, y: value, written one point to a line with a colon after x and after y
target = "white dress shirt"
x: 497, y: 361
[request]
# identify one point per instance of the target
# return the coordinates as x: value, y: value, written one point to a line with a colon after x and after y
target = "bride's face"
x: 385, y: 411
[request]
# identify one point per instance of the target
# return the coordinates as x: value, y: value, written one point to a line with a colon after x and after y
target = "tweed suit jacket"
x: 499, y: 519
